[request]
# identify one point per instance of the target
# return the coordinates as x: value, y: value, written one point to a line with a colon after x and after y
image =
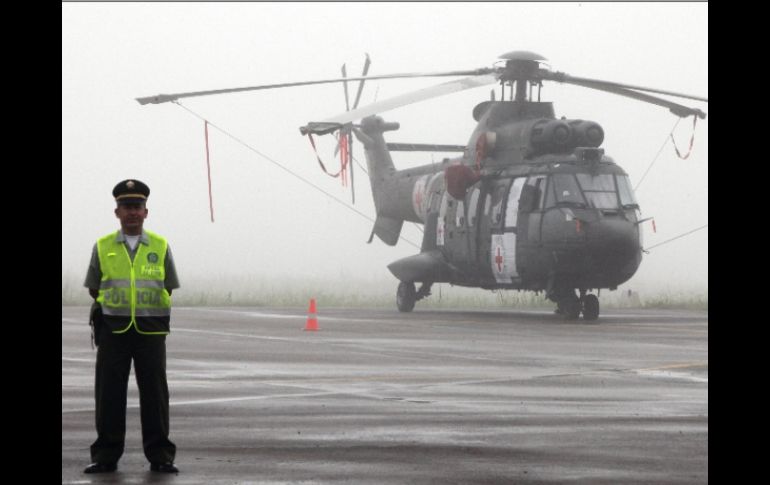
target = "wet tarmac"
x: 377, y: 396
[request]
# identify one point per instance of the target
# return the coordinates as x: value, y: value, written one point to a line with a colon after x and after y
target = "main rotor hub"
x: 520, y: 71
x: 521, y: 66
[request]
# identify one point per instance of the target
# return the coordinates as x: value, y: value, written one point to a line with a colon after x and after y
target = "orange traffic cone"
x: 312, y: 320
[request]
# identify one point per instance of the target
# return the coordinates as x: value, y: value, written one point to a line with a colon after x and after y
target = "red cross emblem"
x: 499, y: 260
x: 418, y: 199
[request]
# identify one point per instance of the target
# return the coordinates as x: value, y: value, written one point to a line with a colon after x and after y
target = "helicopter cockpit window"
x: 599, y: 190
x: 567, y: 190
x: 627, y: 198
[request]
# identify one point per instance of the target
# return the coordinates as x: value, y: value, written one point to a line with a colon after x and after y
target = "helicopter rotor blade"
x: 347, y: 107
x: 415, y: 96
x: 365, y: 71
x: 629, y: 92
x: 345, y: 86
x: 676, y: 108
x: 601, y: 84
x: 165, y: 98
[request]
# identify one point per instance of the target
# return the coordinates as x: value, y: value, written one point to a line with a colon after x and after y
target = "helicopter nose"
x: 614, y: 242
x: 613, y: 233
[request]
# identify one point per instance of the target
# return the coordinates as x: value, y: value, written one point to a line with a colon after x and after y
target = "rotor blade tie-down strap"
x: 312, y: 142
x: 692, y: 140
x: 208, y: 168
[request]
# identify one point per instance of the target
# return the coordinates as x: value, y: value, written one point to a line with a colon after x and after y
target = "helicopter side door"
x: 497, y: 230
x: 506, y: 271
x: 454, y: 227
x: 531, y: 207
x: 531, y: 210
x: 463, y: 216
x: 488, y: 223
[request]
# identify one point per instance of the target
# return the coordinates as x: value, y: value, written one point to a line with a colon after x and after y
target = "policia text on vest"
x: 133, y: 293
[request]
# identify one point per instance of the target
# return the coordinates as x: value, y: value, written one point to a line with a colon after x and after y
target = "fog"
x: 271, y: 226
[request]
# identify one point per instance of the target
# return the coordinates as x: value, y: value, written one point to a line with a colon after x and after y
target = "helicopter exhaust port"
x: 563, y: 136
x: 586, y: 133
x: 550, y: 135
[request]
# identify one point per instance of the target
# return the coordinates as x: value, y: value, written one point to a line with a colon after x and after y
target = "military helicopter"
x: 532, y: 203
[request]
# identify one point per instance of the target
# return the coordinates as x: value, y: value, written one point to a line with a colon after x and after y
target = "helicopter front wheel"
x: 406, y: 296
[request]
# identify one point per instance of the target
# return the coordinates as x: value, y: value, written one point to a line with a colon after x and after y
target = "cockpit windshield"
x: 627, y: 198
x: 599, y: 190
x: 567, y: 190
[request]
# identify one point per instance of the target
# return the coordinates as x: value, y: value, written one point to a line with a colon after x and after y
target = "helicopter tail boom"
x: 387, y: 229
x: 388, y: 225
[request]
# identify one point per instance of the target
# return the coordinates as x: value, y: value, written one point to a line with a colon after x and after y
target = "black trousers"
x: 113, y: 365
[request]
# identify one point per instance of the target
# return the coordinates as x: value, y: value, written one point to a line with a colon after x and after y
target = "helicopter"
x: 531, y: 203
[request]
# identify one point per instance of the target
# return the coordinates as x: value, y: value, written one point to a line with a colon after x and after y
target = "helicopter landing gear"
x: 590, y: 307
x: 567, y: 302
x: 407, y: 296
x: 569, y: 306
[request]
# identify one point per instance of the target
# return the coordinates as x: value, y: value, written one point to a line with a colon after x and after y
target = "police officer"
x: 131, y: 276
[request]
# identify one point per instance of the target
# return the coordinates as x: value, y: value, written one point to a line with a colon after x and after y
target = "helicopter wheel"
x: 570, y: 307
x: 590, y: 307
x: 406, y: 296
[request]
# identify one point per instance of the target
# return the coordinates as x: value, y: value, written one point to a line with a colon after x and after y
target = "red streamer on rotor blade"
x: 692, y: 140
x: 323, y: 167
x: 208, y: 168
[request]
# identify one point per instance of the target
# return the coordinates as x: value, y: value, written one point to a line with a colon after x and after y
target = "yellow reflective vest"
x: 133, y: 292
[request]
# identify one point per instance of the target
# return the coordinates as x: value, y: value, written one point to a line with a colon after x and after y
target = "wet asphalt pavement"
x: 377, y: 396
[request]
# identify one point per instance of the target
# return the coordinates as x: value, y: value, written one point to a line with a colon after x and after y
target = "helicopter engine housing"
x: 586, y: 133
